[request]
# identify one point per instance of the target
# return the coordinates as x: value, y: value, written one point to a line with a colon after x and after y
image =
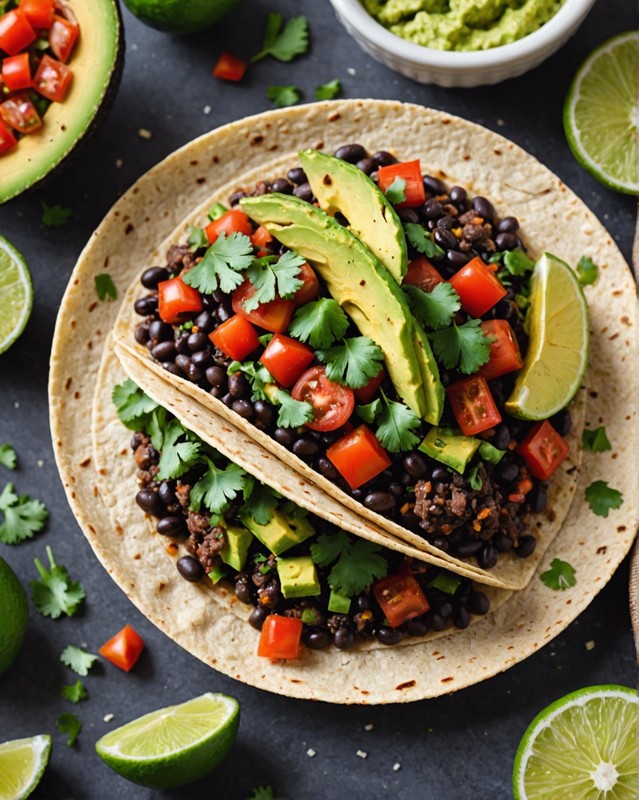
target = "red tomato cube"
x: 358, y: 457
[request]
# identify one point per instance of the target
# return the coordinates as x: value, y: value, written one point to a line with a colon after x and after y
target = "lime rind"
x: 608, y: 747
x: 16, y: 293
x: 603, y: 94
x: 37, y: 750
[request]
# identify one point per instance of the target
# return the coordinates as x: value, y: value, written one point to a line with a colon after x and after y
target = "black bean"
x: 172, y: 526
x: 326, y: 468
x: 417, y: 626
x: 538, y: 499
x: 243, y: 592
x: 239, y: 387
x: 457, y: 195
x: 445, y: 239
x: 235, y: 198
x: 396, y: 489
x: 190, y: 568
x: 508, y: 225
x: 304, y: 192
x: 478, y: 603
x: 344, y: 638
x: 198, y: 341
x: 383, y: 158
x: 217, y: 391
x: 305, y: 448
x: 506, y: 471
x: 284, y: 436
x: 282, y: 186
x: 363, y: 602
x: 164, y: 351
x: 201, y: 359
x: 204, y: 322
x: 448, y: 222
x: 243, y: 408
x: 434, y: 185
x: 194, y: 373
x: 461, y: 617
x: 379, y: 501
x: 142, y: 333
x: 445, y: 609
x: 562, y: 422
x: 367, y: 165
x: 296, y: 176
x: 526, y: 546
x: 502, y: 542
x: 505, y: 241
x: 433, y: 209
x: 223, y: 312
x: 437, y: 622
x: 408, y: 215
x: 216, y: 376
x: 501, y: 439
x: 150, y: 503
x: 317, y: 639
x: 228, y: 399
x: 257, y: 617
x: 166, y: 492
x: 483, y: 207
x: 487, y: 556
x: 441, y: 474
x: 441, y: 543
x: 182, y: 344
x: 263, y: 411
x: 415, y: 465
x: 351, y: 153
x: 154, y: 275
x: 183, y: 362
x: 389, y: 636
x: 160, y: 331
x: 457, y: 259
x: 468, y: 548
x: 169, y: 366
x: 219, y: 296
x: 144, y: 306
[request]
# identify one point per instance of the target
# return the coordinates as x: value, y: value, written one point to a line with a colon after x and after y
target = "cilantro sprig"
x: 319, y: 323
x: 132, y: 405
x: 357, y: 562
x: 595, y: 440
x: 284, y: 96
x: 602, y: 498
x: 77, y: 659
x: 23, y: 517
x: 395, y: 423
x: 222, y: 264
x: 256, y: 374
x: 104, y: 287
x: 271, y: 276
x: 464, y: 347
x: 74, y: 692
x: 560, y: 576
x: 55, y: 593
x: 434, y: 309
x: 220, y: 486
x: 55, y: 216
x: 68, y: 723
x: 179, y: 453
x: 283, y: 43
x: 396, y: 192
x: 587, y: 271
x: 291, y: 413
x: 264, y: 501
x: 353, y: 361
x: 421, y: 240
x: 328, y: 91
x: 8, y: 456
x: 514, y: 262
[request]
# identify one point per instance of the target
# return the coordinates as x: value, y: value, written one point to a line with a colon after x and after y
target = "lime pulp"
x: 16, y: 294
x: 22, y: 764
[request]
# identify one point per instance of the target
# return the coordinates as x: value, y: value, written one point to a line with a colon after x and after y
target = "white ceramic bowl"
x: 451, y: 68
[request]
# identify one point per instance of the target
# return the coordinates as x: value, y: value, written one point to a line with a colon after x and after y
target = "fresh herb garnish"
x: 55, y: 593
x: 68, y: 723
x: 396, y: 192
x: 132, y: 405
x: 395, y: 425
x: 352, y: 362
x: 74, y: 692
x: 320, y: 323
x: 257, y: 375
x: 369, y: 412
x: 197, y: 238
x: 491, y: 453
x: 271, y: 276
x: 264, y: 501
x: 515, y: 262
x: 262, y: 793
x: 464, y: 347
x: 560, y: 576
x: 179, y: 454
x: 595, y: 440
x: 283, y: 44
x: 587, y: 271
x: 78, y: 660
x: 434, y: 309
x: 8, y: 456
x: 222, y: 264
x: 23, y: 517
x: 55, y: 216
x: 420, y: 239
x: 292, y: 413
x: 359, y: 562
x: 284, y: 96
x: 474, y: 478
x: 446, y: 582
x: 104, y: 287
x: 328, y: 91
x: 219, y: 487
x: 602, y: 498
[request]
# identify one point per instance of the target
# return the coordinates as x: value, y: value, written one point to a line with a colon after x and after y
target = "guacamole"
x: 462, y: 24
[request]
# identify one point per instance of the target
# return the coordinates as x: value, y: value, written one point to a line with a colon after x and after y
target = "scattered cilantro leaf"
x: 68, y: 723
x: 222, y: 264
x: 396, y: 423
x: 55, y: 216
x: 434, y: 309
x: 262, y: 793
x: 55, y: 593
x: 420, y: 239
x: 197, y: 238
x: 464, y: 347
x: 595, y: 440
x: 602, y: 498
x: 177, y: 456
x: 104, y: 287
x: 132, y: 405
x: 369, y: 412
x: 74, y: 692
x: 396, y: 192
x: 271, y: 279
x: 352, y: 362
x: 263, y: 502
x: 515, y: 262
x: 155, y: 427
x: 283, y: 44
x: 319, y: 323
x: 587, y: 271
x: 328, y: 91
x: 446, y: 582
x: 283, y: 96
x: 560, y: 576
x: 8, y: 456
x: 474, y: 478
x: 78, y: 660
x: 217, y: 488
x: 292, y: 413
x: 23, y: 517
x: 257, y: 375
x: 358, y: 563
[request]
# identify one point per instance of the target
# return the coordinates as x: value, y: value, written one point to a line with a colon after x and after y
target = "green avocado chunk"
x: 298, y: 577
x: 362, y: 286
x: 339, y: 603
x: 450, y: 447
x: 281, y: 532
x: 238, y: 541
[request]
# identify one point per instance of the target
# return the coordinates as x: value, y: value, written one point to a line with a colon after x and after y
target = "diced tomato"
x: 409, y: 171
x: 230, y: 67
x: 124, y: 649
x: 16, y: 32
x: 236, y: 337
x: 38, y: 12
x: 422, y: 273
x: 473, y: 405
x: 62, y: 37
x: 358, y: 457
x: 544, y: 450
x: 504, y: 349
x: 20, y: 113
x: 332, y: 403
x: 177, y: 300
x: 280, y: 637
x: 400, y: 597
x: 16, y: 72
x: 52, y: 79
x: 286, y: 359
x: 233, y: 221
x: 309, y: 289
x: 7, y: 139
x: 366, y: 393
x: 261, y: 237
x: 477, y: 287
x: 275, y: 316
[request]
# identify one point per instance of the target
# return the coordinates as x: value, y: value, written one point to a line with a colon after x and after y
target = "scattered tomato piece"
x: 62, y: 37
x: 233, y: 221
x: 123, y: 649
x: 177, y: 300
x: 309, y: 289
x: 230, y: 67
x: 16, y: 72
x: 332, y: 403
x: 473, y: 405
x: 20, y: 113
x: 422, y: 273
x: 286, y: 359
x: 358, y: 456
x: 274, y: 316
x: 504, y: 349
x: 16, y: 32
x: 236, y: 337
x: 477, y: 287
x: 38, y: 12
x: 544, y: 450
x: 280, y: 637
x: 366, y: 393
x: 400, y: 597
x: 52, y: 79
x: 409, y: 171
x: 261, y: 237
x: 7, y: 139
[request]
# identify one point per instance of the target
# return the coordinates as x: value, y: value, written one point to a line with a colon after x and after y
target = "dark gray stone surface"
x: 456, y: 747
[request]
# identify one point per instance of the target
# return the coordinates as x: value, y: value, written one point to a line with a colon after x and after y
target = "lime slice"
x: 174, y: 745
x: 557, y: 354
x: 582, y: 747
x: 600, y: 113
x: 16, y: 294
x: 22, y: 764
x: 13, y: 619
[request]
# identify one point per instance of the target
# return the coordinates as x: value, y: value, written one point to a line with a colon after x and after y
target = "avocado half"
x: 97, y: 64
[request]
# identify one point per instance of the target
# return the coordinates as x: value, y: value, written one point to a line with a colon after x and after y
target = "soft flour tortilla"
x: 148, y: 212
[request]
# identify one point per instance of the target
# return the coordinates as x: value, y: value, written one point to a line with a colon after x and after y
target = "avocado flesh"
x: 356, y: 279
x: 450, y: 447
x: 340, y: 186
x: 97, y: 62
x: 298, y: 577
x: 235, y: 550
x: 281, y: 532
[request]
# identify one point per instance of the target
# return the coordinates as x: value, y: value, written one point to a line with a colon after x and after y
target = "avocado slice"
x: 97, y: 63
x: 298, y: 577
x: 450, y: 447
x: 340, y: 186
x: 235, y: 550
x: 339, y: 603
x: 281, y: 532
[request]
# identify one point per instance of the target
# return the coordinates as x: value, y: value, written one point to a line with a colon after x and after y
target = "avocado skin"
x: 180, y: 16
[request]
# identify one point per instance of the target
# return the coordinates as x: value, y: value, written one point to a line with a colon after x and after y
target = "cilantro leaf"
x: 258, y: 376
x: 8, y: 457
x: 328, y: 91
x: 104, y: 287
x: 320, y: 323
x: 464, y: 347
x: 446, y: 582
x: 515, y: 262
x: 23, y: 517
x: 353, y: 362
x: 55, y: 216
x: 55, y: 593
x: 474, y: 478
x: 132, y: 405
x: 284, y: 44
x: 587, y: 271
x: 263, y: 502
x: 434, y: 309
x: 420, y: 239
x: 222, y: 264
x: 177, y: 457
x: 74, y: 692
x: 266, y: 276
x: 78, y: 660
x: 358, y: 564
x: 560, y: 576
x: 396, y: 192
x: 595, y: 440
x: 68, y: 723
x: 283, y: 96
x: 197, y: 238
x: 292, y: 413
x: 602, y: 498
x: 396, y: 425
x: 369, y: 412
x: 262, y: 793
x: 217, y: 488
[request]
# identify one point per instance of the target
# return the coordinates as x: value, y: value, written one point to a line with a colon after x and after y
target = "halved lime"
x: 600, y: 113
x: 582, y: 747
x: 16, y: 294
x: 174, y: 745
x: 557, y: 354
x: 22, y: 764
x: 13, y: 619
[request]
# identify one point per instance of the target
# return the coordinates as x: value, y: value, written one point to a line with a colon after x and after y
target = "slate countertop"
x: 460, y: 746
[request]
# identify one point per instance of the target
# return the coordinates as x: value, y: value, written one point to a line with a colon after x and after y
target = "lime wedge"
x: 16, y: 294
x: 582, y: 746
x: 13, y: 619
x: 557, y: 355
x: 174, y: 745
x: 600, y: 113
x: 22, y: 764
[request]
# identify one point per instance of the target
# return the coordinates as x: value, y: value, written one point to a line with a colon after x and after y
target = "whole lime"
x: 180, y: 16
x: 13, y: 619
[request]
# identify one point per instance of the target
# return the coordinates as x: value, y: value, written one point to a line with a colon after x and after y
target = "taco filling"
x: 389, y: 364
